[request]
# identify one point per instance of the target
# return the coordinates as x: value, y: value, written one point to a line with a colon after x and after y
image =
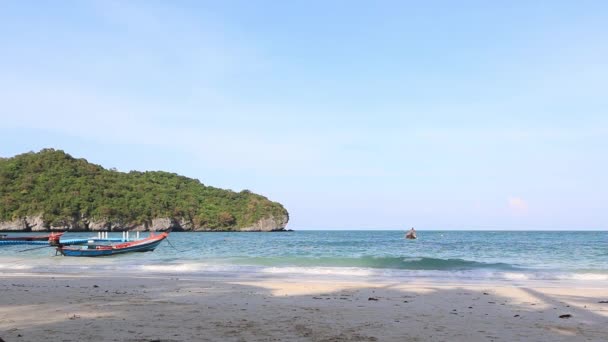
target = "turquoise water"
x: 501, y: 255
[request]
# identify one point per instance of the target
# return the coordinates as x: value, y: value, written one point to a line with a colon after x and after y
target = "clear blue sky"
x: 353, y: 114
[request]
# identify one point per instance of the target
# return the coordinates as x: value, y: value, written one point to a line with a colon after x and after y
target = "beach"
x: 306, y: 171
x: 315, y: 286
x: 168, y: 307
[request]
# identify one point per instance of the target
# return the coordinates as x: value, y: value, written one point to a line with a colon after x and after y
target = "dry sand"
x: 122, y: 308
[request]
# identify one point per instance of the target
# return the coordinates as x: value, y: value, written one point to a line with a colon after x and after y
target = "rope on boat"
x: 170, y: 244
x: 31, y: 249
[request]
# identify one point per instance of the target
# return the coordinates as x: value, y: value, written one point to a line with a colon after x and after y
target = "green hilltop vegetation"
x: 69, y: 193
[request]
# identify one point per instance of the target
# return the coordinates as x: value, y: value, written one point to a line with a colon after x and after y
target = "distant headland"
x: 51, y: 190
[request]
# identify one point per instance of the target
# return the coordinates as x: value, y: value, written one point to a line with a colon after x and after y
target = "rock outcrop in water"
x: 51, y: 190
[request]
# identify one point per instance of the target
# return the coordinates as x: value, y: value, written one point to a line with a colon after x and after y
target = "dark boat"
x: 411, y: 234
x: 143, y: 245
x: 5, y: 237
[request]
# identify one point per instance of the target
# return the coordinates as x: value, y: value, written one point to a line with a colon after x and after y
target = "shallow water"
x: 460, y: 255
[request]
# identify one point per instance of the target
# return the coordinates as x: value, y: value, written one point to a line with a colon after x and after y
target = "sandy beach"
x: 46, y: 307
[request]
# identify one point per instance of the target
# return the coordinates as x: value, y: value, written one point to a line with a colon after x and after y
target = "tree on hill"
x: 70, y: 192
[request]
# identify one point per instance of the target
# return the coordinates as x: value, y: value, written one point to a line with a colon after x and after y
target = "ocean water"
x: 508, y: 256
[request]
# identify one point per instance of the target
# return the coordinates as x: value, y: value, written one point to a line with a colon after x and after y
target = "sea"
x: 516, y: 257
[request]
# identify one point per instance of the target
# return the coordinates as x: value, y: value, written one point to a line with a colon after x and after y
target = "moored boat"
x: 5, y: 237
x: 92, y: 250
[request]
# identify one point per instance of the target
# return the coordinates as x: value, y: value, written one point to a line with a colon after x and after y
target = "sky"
x: 352, y: 114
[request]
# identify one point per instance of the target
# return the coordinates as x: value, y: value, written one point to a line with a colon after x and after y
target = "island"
x: 50, y: 190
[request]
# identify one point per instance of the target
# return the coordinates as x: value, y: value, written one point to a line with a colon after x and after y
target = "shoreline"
x: 12, y: 265
x: 304, y: 278
x: 172, y: 307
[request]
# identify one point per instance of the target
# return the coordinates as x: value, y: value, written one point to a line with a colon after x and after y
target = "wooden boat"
x: 5, y: 237
x: 92, y: 250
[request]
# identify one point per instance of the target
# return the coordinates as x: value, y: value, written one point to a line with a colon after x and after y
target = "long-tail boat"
x: 92, y: 250
x: 4, y: 237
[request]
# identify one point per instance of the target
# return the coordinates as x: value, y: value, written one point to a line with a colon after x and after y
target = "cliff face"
x: 51, y: 190
x: 268, y: 224
x: 36, y: 223
x: 28, y: 223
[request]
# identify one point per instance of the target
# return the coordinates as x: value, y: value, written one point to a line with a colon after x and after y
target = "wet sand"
x: 165, y: 308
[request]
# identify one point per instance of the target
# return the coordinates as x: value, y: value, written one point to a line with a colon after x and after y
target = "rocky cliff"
x: 36, y: 223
